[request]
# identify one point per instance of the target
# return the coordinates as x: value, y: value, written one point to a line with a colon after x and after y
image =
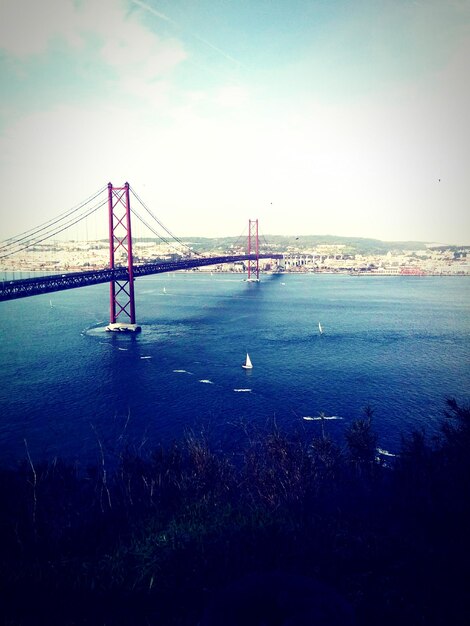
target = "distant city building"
x: 58, y: 256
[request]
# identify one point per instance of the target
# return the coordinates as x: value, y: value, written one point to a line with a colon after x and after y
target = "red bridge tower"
x: 121, y: 291
x: 253, y: 248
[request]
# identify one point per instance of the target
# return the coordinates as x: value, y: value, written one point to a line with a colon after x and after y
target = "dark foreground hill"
x: 284, y: 531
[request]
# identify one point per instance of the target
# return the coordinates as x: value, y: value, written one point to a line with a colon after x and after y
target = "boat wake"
x: 246, y: 390
x: 206, y: 381
x: 385, y: 452
x: 145, y: 357
x: 325, y: 417
x: 95, y: 331
x: 182, y: 372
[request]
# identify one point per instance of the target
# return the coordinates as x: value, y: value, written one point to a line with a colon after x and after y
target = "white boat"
x: 248, y: 365
x: 164, y: 289
x: 320, y: 328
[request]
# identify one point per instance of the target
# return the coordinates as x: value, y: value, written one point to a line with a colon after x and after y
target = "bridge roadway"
x: 24, y: 287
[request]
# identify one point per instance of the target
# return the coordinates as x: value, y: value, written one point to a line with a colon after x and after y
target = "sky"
x: 341, y: 117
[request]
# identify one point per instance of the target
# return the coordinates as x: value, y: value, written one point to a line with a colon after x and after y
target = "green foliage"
x: 456, y: 428
x: 153, y: 540
x: 361, y: 439
x: 326, y: 457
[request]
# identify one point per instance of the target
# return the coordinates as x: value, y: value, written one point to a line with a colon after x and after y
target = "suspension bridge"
x: 121, y: 270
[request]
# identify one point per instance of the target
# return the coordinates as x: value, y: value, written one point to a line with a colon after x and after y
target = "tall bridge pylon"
x: 121, y: 292
x: 121, y: 271
x: 253, y: 248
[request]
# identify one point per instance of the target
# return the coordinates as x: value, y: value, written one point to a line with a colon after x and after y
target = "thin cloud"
x: 24, y: 31
x: 224, y: 54
x: 150, y: 9
x: 165, y: 18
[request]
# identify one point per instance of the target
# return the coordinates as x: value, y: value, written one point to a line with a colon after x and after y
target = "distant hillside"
x: 352, y: 245
x: 305, y: 242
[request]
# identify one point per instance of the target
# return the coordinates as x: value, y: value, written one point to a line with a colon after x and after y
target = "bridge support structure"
x: 121, y: 291
x: 253, y: 249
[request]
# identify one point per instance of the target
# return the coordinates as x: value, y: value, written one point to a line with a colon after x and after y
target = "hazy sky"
x: 345, y: 117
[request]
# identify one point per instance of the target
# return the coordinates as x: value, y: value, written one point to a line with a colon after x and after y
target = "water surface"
x: 399, y: 344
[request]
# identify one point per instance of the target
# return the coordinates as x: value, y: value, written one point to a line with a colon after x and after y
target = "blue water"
x: 399, y: 344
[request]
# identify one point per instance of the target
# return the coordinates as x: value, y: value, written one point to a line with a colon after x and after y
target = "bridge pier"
x: 121, y: 292
x: 123, y: 327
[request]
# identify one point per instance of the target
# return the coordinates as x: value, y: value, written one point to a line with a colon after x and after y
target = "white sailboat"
x: 247, y: 365
x: 320, y: 328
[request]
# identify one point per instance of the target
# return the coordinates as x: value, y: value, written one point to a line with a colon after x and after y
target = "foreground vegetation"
x: 161, y: 537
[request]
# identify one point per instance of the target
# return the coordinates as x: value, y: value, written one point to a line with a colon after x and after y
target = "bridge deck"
x: 24, y: 287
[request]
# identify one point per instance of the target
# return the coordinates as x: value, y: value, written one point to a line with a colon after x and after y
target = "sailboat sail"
x: 248, y: 365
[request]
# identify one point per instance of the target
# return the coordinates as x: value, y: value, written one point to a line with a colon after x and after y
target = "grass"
x: 163, y: 535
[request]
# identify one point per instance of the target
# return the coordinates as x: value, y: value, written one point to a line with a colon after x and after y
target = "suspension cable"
x: 266, y: 243
x: 56, y: 232
x: 177, y: 239
x: 241, y: 237
x: 33, y: 232
x: 168, y: 242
